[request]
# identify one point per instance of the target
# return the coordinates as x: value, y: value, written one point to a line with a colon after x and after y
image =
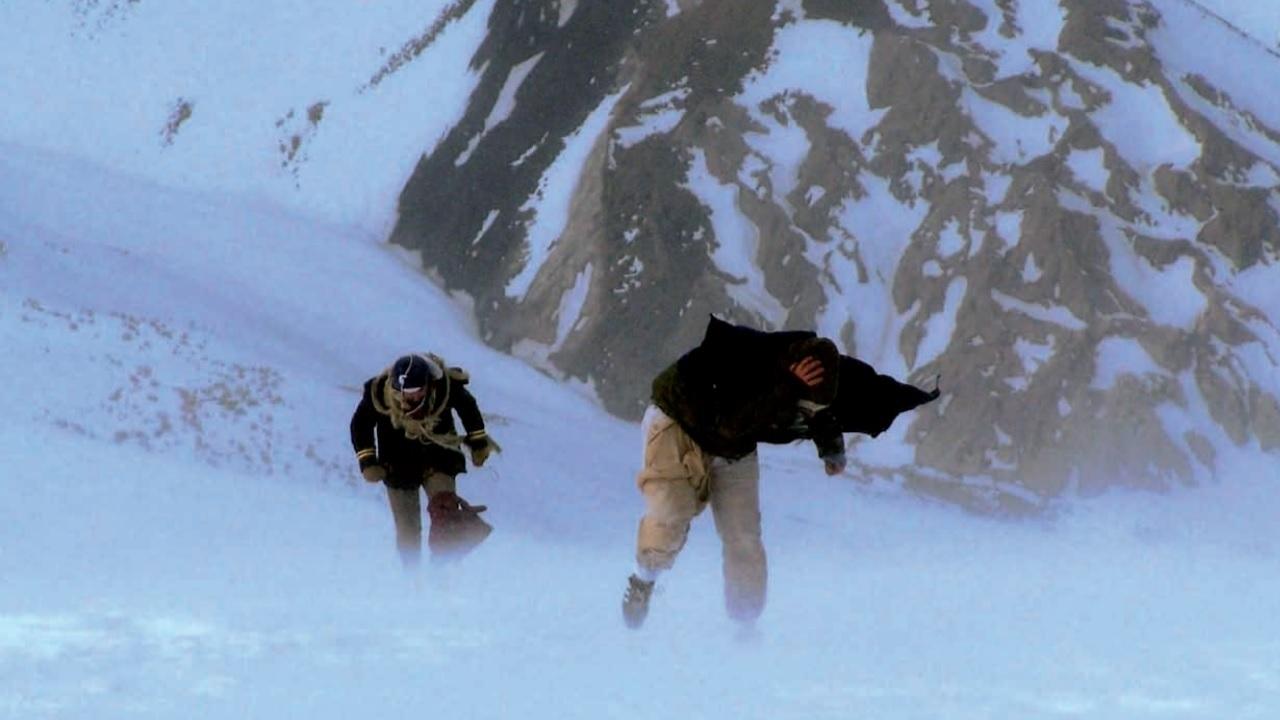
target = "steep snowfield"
x: 1259, y: 20
x: 300, y: 102
x: 182, y: 533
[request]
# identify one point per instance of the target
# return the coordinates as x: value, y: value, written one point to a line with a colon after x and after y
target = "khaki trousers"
x: 678, y: 481
x: 406, y: 510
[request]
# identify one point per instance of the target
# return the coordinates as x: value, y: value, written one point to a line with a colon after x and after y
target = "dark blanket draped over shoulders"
x: 867, y: 402
x: 735, y: 389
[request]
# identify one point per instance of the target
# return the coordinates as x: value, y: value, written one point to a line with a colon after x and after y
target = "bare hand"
x: 809, y: 370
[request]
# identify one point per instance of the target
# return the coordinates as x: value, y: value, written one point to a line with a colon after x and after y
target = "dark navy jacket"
x: 406, y: 459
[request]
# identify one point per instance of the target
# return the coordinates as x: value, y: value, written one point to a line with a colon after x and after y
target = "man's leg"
x: 406, y: 510
x: 735, y: 505
x: 437, y: 482
x: 670, y: 506
x: 673, y: 482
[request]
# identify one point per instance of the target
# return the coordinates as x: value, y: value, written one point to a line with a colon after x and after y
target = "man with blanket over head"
x: 710, y: 409
x: 404, y: 437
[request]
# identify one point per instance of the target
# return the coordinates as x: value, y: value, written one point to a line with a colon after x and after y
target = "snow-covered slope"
x: 232, y: 333
x: 183, y: 534
x: 314, y: 105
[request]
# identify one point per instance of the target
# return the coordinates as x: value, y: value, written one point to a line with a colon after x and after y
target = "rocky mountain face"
x: 1070, y: 210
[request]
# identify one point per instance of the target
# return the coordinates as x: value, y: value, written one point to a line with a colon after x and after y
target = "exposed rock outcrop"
x: 1047, y: 203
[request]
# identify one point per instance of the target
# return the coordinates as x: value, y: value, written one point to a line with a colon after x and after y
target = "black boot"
x: 635, y: 604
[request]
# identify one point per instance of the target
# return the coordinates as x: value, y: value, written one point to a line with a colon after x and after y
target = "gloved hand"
x: 372, y: 471
x: 834, y: 464
x: 481, y: 447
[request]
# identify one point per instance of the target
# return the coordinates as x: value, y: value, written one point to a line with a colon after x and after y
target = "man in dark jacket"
x: 710, y: 409
x: 403, y: 435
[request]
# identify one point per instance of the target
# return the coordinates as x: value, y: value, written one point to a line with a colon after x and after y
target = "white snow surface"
x: 183, y: 534
x: 1218, y: 54
x: 737, y: 242
x: 1139, y: 122
x: 660, y: 115
x: 551, y: 200
x: 837, y: 76
x: 101, y: 79
x: 506, y: 102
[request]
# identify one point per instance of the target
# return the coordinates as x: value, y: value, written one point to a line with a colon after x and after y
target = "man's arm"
x: 468, y: 410
x: 829, y: 441
x: 363, y: 436
x: 464, y: 404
